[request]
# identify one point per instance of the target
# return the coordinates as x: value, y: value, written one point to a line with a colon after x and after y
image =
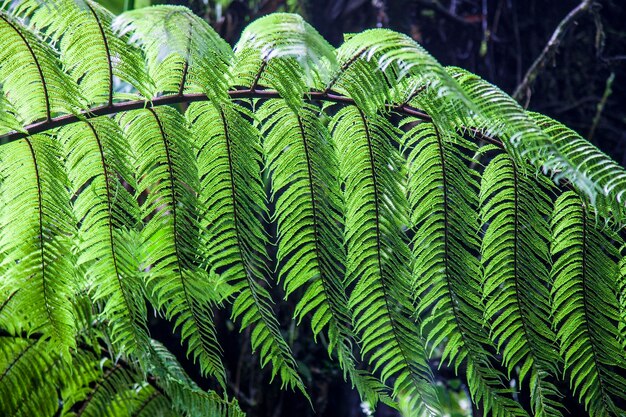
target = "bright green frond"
x: 443, y: 197
x: 303, y: 170
x: 167, y: 185
x: 585, y: 306
x: 101, y: 174
x: 549, y: 145
x: 373, y: 63
x: 606, y: 178
x: 92, y: 55
x: 283, y: 52
x: 183, y: 53
x: 232, y: 193
x: 184, y: 394
x: 31, y: 75
x: 516, y: 277
x: 37, y: 260
x: 377, y: 265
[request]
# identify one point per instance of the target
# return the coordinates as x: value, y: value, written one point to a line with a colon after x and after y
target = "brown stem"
x: 522, y: 92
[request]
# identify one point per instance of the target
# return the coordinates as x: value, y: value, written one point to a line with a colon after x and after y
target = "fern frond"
x: 283, y: 52
x: 303, y: 169
x: 516, y: 278
x: 31, y: 75
x: 92, y: 55
x: 373, y: 64
x: 167, y: 179
x: 549, y: 145
x: 607, y: 178
x: 585, y: 307
x: 443, y: 199
x: 37, y: 246
x: 184, y: 394
x: 183, y: 53
x: 378, y: 255
x: 100, y: 170
x: 229, y: 159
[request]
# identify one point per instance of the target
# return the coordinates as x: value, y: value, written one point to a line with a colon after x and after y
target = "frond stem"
x: 55, y: 122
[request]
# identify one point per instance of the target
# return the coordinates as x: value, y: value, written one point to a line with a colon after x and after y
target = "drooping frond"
x: 585, y: 306
x: 183, y: 53
x: 101, y: 174
x: 229, y: 159
x: 377, y: 265
x: 36, y: 263
x: 92, y: 55
x: 443, y: 198
x: 392, y: 238
x: 516, y: 278
x: 549, y: 145
x: 607, y: 177
x: 167, y: 182
x: 183, y: 393
x: 31, y: 75
x: 35, y: 381
x: 303, y: 169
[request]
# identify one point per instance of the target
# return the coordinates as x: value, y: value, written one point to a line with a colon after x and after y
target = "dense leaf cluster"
x: 406, y: 207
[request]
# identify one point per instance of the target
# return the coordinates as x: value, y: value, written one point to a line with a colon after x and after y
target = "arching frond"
x: 606, y: 177
x: 443, y: 199
x: 229, y: 157
x: 183, y: 53
x: 585, y: 306
x: 92, y: 55
x: 283, y: 52
x: 37, y: 258
x: 373, y: 63
x: 167, y: 182
x: 516, y: 278
x: 31, y: 75
x: 548, y: 145
x: 353, y: 178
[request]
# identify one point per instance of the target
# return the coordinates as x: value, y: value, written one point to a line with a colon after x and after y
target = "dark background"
x: 581, y: 83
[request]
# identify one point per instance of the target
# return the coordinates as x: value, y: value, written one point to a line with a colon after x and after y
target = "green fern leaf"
x: 183, y: 53
x: 378, y: 254
x: 168, y: 183
x: 442, y: 194
x: 283, y: 52
x: 585, y: 306
x: 99, y: 167
x: 516, y: 278
x: 31, y: 74
x: 229, y: 159
x: 92, y: 55
x: 37, y: 246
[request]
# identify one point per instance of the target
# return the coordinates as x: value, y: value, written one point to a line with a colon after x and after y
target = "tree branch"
x: 523, y: 90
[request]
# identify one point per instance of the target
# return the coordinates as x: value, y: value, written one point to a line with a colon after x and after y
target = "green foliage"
x: 408, y: 210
